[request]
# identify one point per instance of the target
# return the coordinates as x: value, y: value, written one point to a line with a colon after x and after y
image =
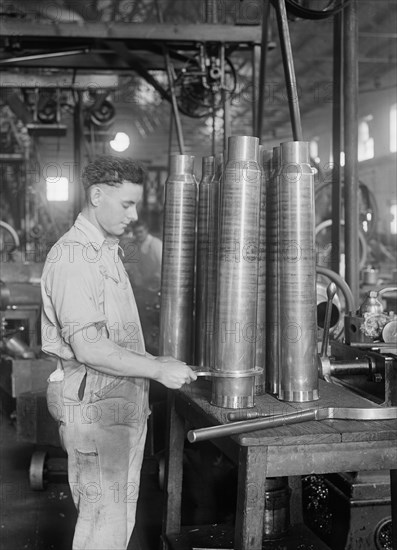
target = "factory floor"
x: 44, y: 520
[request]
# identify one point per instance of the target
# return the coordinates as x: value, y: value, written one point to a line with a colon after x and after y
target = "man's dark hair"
x: 112, y: 171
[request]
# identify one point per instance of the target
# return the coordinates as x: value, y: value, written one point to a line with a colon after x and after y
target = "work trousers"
x: 102, y: 425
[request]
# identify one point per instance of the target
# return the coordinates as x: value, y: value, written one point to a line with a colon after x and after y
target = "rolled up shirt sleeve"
x: 74, y: 291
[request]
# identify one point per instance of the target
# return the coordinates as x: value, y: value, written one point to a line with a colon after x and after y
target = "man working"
x: 143, y: 258
x: 99, y: 392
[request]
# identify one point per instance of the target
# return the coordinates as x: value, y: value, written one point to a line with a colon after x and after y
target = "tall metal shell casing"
x: 298, y: 312
x: 265, y: 158
x: 236, y: 305
x: 213, y: 230
x: 203, y: 331
x: 179, y: 237
x: 272, y: 277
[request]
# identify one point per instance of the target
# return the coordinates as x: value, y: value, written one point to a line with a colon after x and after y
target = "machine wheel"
x: 383, y: 535
x: 38, y: 470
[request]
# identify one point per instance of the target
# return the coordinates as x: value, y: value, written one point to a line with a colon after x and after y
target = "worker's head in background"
x: 113, y: 188
x: 141, y: 231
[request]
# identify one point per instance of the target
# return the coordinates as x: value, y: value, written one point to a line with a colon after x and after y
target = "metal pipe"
x: 203, y: 236
x: 351, y: 187
x: 174, y: 104
x: 211, y: 12
x: 331, y: 291
x: 265, y: 159
x: 226, y: 105
x: 289, y: 71
x: 357, y: 366
x: 298, y: 314
x: 78, y: 135
x: 253, y: 92
x: 272, y: 277
x: 242, y: 426
x: 238, y: 273
x: 35, y: 57
x: 262, y: 67
x: 177, y: 282
x: 336, y: 144
x: 304, y: 415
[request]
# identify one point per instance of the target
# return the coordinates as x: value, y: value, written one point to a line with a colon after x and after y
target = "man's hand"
x: 173, y: 374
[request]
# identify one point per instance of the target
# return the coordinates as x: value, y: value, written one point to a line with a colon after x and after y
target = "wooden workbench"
x: 313, y: 447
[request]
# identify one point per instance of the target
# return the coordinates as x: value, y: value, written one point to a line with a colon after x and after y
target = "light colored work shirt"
x: 86, y: 288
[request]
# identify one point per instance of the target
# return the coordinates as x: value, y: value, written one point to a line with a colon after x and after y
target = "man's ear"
x: 94, y: 195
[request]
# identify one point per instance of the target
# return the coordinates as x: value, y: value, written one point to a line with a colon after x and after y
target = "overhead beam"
x: 75, y: 82
x: 155, y: 32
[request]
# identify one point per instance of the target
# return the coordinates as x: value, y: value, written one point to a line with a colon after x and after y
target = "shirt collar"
x: 92, y: 233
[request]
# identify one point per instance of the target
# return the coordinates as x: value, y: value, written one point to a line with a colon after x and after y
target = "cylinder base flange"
x: 233, y: 401
x: 298, y: 396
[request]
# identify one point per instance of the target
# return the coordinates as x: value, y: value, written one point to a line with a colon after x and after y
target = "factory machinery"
x: 238, y: 302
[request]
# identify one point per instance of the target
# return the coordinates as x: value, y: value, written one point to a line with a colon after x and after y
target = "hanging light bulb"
x: 121, y: 142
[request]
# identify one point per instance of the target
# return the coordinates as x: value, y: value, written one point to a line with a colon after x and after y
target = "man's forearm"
x: 108, y: 357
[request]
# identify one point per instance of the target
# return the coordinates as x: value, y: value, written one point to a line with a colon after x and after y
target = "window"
x: 393, y: 222
x: 393, y: 128
x: 365, y: 141
x: 57, y: 188
x: 313, y: 150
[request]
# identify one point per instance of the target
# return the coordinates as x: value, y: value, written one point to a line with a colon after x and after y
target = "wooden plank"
x: 250, y: 498
x: 393, y: 490
x: 296, y: 513
x: 155, y: 32
x: 359, y: 430
x: 305, y: 433
x: 221, y: 536
x: 330, y: 458
x: 173, y: 469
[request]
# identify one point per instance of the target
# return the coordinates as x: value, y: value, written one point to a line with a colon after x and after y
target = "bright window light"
x: 313, y: 149
x: 393, y: 128
x: 342, y: 158
x: 121, y: 142
x: 57, y: 188
x: 365, y: 141
x: 393, y: 223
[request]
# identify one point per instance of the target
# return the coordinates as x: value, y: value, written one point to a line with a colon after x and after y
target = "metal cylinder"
x: 203, y: 236
x: 276, y: 519
x: 298, y: 350
x: 265, y: 158
x: 179, y: 236
x: 238, y: 274
x: 213, y: 232
x: 272, y: 277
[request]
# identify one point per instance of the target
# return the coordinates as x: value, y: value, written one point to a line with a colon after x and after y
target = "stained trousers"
x: 103, y: 430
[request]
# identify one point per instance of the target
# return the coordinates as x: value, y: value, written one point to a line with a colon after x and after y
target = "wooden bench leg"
x: 173, y: 471
x: 393, y: 490
x: 296, y: 512
x: 250, y: 498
